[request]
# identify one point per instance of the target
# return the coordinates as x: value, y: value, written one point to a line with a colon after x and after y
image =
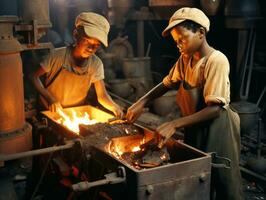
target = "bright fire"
x: 118, y: 149
x: 135, y: 149
x: 72, y: 122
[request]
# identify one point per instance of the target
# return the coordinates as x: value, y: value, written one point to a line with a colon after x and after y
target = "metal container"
x: 11, y: 81
x: 186, y: 176
x: 15, y: 133
x: 248, y: 113
x: 93, y: 112
x: 138, y: 67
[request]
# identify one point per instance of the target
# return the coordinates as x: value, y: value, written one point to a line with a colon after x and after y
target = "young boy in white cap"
x: 70, y: 71
x: 201, y: 76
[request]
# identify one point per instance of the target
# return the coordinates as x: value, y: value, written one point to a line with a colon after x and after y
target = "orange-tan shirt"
x: 216, y: 88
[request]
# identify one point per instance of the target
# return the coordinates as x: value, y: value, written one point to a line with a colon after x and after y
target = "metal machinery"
x: 32, y: 22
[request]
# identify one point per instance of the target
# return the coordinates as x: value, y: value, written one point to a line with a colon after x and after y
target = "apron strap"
x: 54, y: 77
x: 202, y: 68
x: 57, y: 73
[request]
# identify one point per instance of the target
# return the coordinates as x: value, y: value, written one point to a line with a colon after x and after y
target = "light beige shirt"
x: 62, y: 57
x: 216, y: 87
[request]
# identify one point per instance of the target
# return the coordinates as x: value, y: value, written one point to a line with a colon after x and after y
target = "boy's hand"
x: 118, y: 112
x: 135, y: 111
x: 166, y: 130
x: 54, y: 107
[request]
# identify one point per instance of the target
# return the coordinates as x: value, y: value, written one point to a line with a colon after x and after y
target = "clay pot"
x: 164, y: 105
x: 141, y: 86
x: 109, y: 74
x: 108, y: 60
x: 121, y: 87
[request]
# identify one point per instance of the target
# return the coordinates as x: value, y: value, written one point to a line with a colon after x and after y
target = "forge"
x: 177, y: 171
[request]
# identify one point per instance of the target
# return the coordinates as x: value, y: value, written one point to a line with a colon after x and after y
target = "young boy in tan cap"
x: 70, y: 71
x: 201, y: 76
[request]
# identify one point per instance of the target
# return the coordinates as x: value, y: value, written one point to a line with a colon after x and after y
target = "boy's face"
x: 87, y: 46
x: 187, y: 41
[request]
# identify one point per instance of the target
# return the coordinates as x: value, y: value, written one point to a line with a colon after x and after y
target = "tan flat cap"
x: 95, y: 26
x: 187, y: 13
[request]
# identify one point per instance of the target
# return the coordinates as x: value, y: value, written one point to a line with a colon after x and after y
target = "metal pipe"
x: 140, y: 36
x: 14, y: 156
x: 111, y: 178
x: 120, y: 98
x: 247, y: 171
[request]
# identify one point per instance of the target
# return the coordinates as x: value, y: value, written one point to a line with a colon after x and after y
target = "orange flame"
x: 119, y: 148
x: 135, y: 149
x: 72, y: 122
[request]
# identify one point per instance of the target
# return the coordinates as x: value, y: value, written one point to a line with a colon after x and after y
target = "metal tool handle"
x: 112, y: 178
x: 215, y: 158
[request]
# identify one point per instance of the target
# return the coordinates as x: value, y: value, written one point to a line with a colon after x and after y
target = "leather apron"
x: 221, y: 135
x: 69, y: 88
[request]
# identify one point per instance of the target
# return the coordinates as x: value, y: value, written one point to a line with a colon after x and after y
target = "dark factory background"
x: 223, y: 34
x: 138, y: 58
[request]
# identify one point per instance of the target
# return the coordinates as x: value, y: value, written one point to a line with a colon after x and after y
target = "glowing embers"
x: 134, y: 151
x: 73, y: 119
x: 122, y: 145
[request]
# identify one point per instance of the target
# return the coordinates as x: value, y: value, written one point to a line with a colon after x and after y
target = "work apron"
x: 221, y: 135
x: 68, y: 88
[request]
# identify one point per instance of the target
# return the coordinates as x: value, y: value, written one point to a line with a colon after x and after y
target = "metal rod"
x: 120, y: 98
x: 148, y: 50
x: 140, y: 36
x: 36, y: 152
x: 254, y: 140
x: 245, y: 170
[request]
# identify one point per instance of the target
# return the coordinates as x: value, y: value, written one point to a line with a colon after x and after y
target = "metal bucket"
x: 248, y: 113
x: 137, y: 67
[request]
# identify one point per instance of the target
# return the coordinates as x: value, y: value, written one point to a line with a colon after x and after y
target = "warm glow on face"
x: 73, y: 121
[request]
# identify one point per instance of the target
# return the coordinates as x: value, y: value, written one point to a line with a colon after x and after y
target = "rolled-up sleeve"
x: 217, y: 84
x: 98, y: 72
